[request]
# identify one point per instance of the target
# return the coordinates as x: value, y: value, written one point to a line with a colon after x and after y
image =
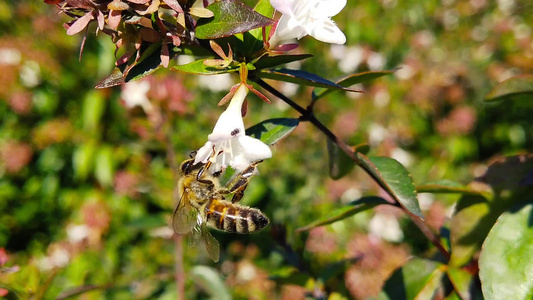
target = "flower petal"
x: 330, y: 8
x: 283, y: 6
x: 328, y: 32
x: 254, y: 149
x: 204, y: 153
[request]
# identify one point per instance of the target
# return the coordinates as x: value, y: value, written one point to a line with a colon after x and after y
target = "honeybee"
x: 202, y: 203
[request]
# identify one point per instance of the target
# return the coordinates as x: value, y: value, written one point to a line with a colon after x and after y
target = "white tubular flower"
x: 229, y: 142
x: 134, y: 94
x: 307, y: 17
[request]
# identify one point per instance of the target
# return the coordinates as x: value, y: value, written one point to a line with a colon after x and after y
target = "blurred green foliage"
x: 86, y: 183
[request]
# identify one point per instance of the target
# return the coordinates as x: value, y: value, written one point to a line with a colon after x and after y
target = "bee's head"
x: 187, y: 166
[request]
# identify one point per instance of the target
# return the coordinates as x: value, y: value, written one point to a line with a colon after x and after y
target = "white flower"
x: 229, y: 142
x: 307, y: 17
x: 134, y: 94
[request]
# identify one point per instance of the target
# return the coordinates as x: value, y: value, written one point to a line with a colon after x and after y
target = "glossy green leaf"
x: 393, y: 176
x: 450, y: 187
x: 211, y: 282
x: 299, y: 77
x: 475, y: 215
x: 199, y: 68
x: 339, y: 162
x: 342, y: 213
x: 272, y: 130
x: 351, y: 80
x: 506, y: 261
x: 417, y: 279
x: 514, y: 86
x: 231, y: 17
x: 270, y: 61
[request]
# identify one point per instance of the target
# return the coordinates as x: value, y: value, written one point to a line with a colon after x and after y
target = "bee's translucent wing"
x: 211, y: 244
x: 193, y: 236
x: 184, y: 217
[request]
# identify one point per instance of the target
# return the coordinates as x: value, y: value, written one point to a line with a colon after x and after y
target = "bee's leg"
x: 240, y: 183
x: 205, y: 167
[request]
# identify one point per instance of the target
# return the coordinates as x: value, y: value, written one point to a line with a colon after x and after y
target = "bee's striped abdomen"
x: 229, y: 217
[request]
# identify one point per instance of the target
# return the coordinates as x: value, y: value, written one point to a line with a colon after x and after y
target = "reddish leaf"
x: 80, y: 23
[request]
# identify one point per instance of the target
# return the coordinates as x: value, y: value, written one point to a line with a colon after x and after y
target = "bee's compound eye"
x: 186, y: 166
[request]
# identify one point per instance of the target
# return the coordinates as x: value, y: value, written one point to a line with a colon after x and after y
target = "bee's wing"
x: 193, y: 236
x: 184, y: 217
x: 211, y: 244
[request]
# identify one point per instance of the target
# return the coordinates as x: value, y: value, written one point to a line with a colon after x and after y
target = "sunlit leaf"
x: 464, y: 283
x: 253, y: 39
x: 417, y: 279
x: 231, y: 17
x: 393, y: 177
x: 199, y: 68
x: 506, y: 261
x: 211, y: 282
x: 475, y: 215
x: 351, y: 80
x: 272, y: 130
x: 514, y: 86
x: 342, y: 213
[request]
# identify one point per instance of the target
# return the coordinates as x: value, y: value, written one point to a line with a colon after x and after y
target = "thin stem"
x: 307, y: 115
x: 178, y: 238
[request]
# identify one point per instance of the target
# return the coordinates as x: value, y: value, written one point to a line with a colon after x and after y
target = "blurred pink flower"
x: 14, y: 156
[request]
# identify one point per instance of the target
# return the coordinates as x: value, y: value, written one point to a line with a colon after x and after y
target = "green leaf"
x: 253, y: 39
x: 417, y: 279
x: 148, y: 63
x: 272, y: 130
x: 270, y: 60
x: 464, y: 283
x: 351, y: 80
x: 211, y: 282
x: 231, y: 17
x: 340, y: 163
x: 299, y: 77
x: 104, y: 168
x: 514, y: 86
x: 93, y: 109
x: 199, y: 68
x: 342, y: 213
x: 506, y: 261
x: 449, y: 187
x: 392, y: 176
x: 83, y: 160
x: 475, y: 215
